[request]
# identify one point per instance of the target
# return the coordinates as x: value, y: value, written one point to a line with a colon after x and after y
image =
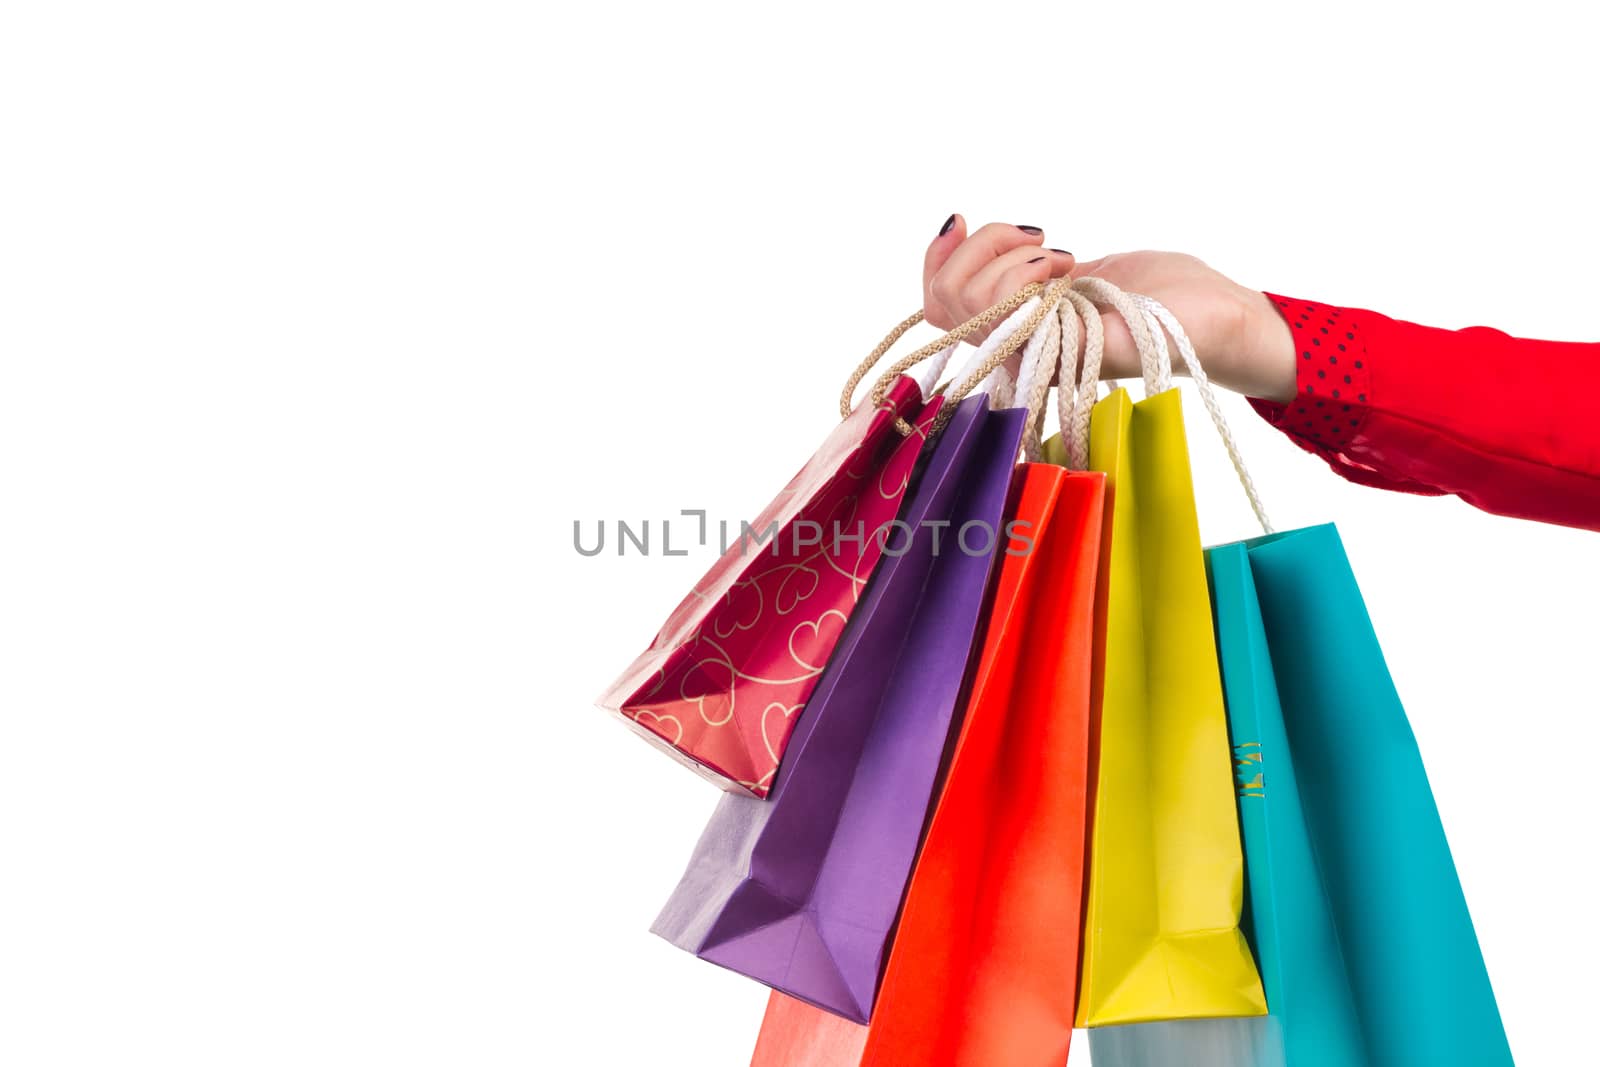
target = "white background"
x: 322, y: 322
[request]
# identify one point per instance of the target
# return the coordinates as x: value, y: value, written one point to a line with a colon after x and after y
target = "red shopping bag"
x: 723, y: 683
x: 984, y: 964
x: 795, y: 1034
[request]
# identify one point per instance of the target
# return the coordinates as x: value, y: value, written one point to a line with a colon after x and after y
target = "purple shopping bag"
x: 800, y: 890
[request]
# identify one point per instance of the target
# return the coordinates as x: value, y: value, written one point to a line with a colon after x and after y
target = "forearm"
x: 1510, y: 425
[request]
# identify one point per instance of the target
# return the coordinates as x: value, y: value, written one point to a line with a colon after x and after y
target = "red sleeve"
x: 1510, y: 425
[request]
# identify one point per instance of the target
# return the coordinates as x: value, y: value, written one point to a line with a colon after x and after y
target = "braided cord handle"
x: 1075, y: 400
x: 997, y: 383
x: 937, y: 347
x: 1158, y: 316
x: 1065, y: 312
x: 1040, y: 359
x: 1024, y: 331
x: 1146, y: 319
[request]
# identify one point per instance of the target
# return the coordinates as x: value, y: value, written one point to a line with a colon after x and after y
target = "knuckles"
x: 945, y: 290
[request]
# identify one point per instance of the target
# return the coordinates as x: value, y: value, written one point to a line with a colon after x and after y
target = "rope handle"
x: 1041, y: 358
x: 1148, y: 322
x: 1159, y: 316
x: 936, y: 347
x: 985, y: 370
x: 1075, y: 400
x: 1013, y: 339
x: 997, y: 383
x: 1154, y: 362
x: 1051, y: 320
x: 1008, y: 343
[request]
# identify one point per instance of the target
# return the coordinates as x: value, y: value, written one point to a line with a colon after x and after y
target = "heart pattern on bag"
x: 816, y: 638
x: 709, y: 685
x: 644, y: 717
x: 742, y: 608
x: 794, y: 589
x: 745, y: 647
x: 785, y: 721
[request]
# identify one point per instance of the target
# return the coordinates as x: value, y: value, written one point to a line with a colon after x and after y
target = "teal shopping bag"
x: 1290, y: 923
x: 1355, y: 912
x: 1416, y: 976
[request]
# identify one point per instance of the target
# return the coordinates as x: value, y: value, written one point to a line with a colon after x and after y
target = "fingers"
x: 945, y: 304
x: 984, y: 267
x: 989, y: 242
x: 951, y: 234
x: 1004, y: 275
x: 1010, y: 273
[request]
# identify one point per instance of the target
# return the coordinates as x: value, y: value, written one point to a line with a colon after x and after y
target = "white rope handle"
x: 1054, y: 343
x: 1158, y: 339
x: 1149, y: 322
x: 1080, y: 319
x: 1039, y: 357
x: 1154, y: 361
x: 927, y: 375
x: 1160, y: 317
x: 1039, y: 362
x: 998, y: 382
x: 1031, y: 389
x: 1033, y: 351
x: 1073, y: 330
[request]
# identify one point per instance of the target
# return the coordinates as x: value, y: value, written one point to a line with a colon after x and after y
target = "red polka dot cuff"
x: 1333, y: 381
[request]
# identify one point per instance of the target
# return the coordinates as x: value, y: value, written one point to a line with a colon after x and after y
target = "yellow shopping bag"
x: 1161, y: 933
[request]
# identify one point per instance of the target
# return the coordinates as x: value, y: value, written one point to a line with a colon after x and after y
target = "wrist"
x: 1265, y: 365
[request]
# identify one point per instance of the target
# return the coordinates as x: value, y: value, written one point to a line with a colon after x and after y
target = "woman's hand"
x: 1242, y: 341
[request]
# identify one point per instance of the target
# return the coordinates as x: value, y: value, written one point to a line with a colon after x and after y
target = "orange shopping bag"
x: 985, y: 962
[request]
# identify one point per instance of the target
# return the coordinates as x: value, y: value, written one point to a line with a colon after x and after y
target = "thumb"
x: 943, y: 246
x: 1087, y: 267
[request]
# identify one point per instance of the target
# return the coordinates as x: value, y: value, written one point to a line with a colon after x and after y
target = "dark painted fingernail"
x: 948, y: 223
x: 1031, y: 229
x: 1037, y: 259
x: 1063, y: 251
